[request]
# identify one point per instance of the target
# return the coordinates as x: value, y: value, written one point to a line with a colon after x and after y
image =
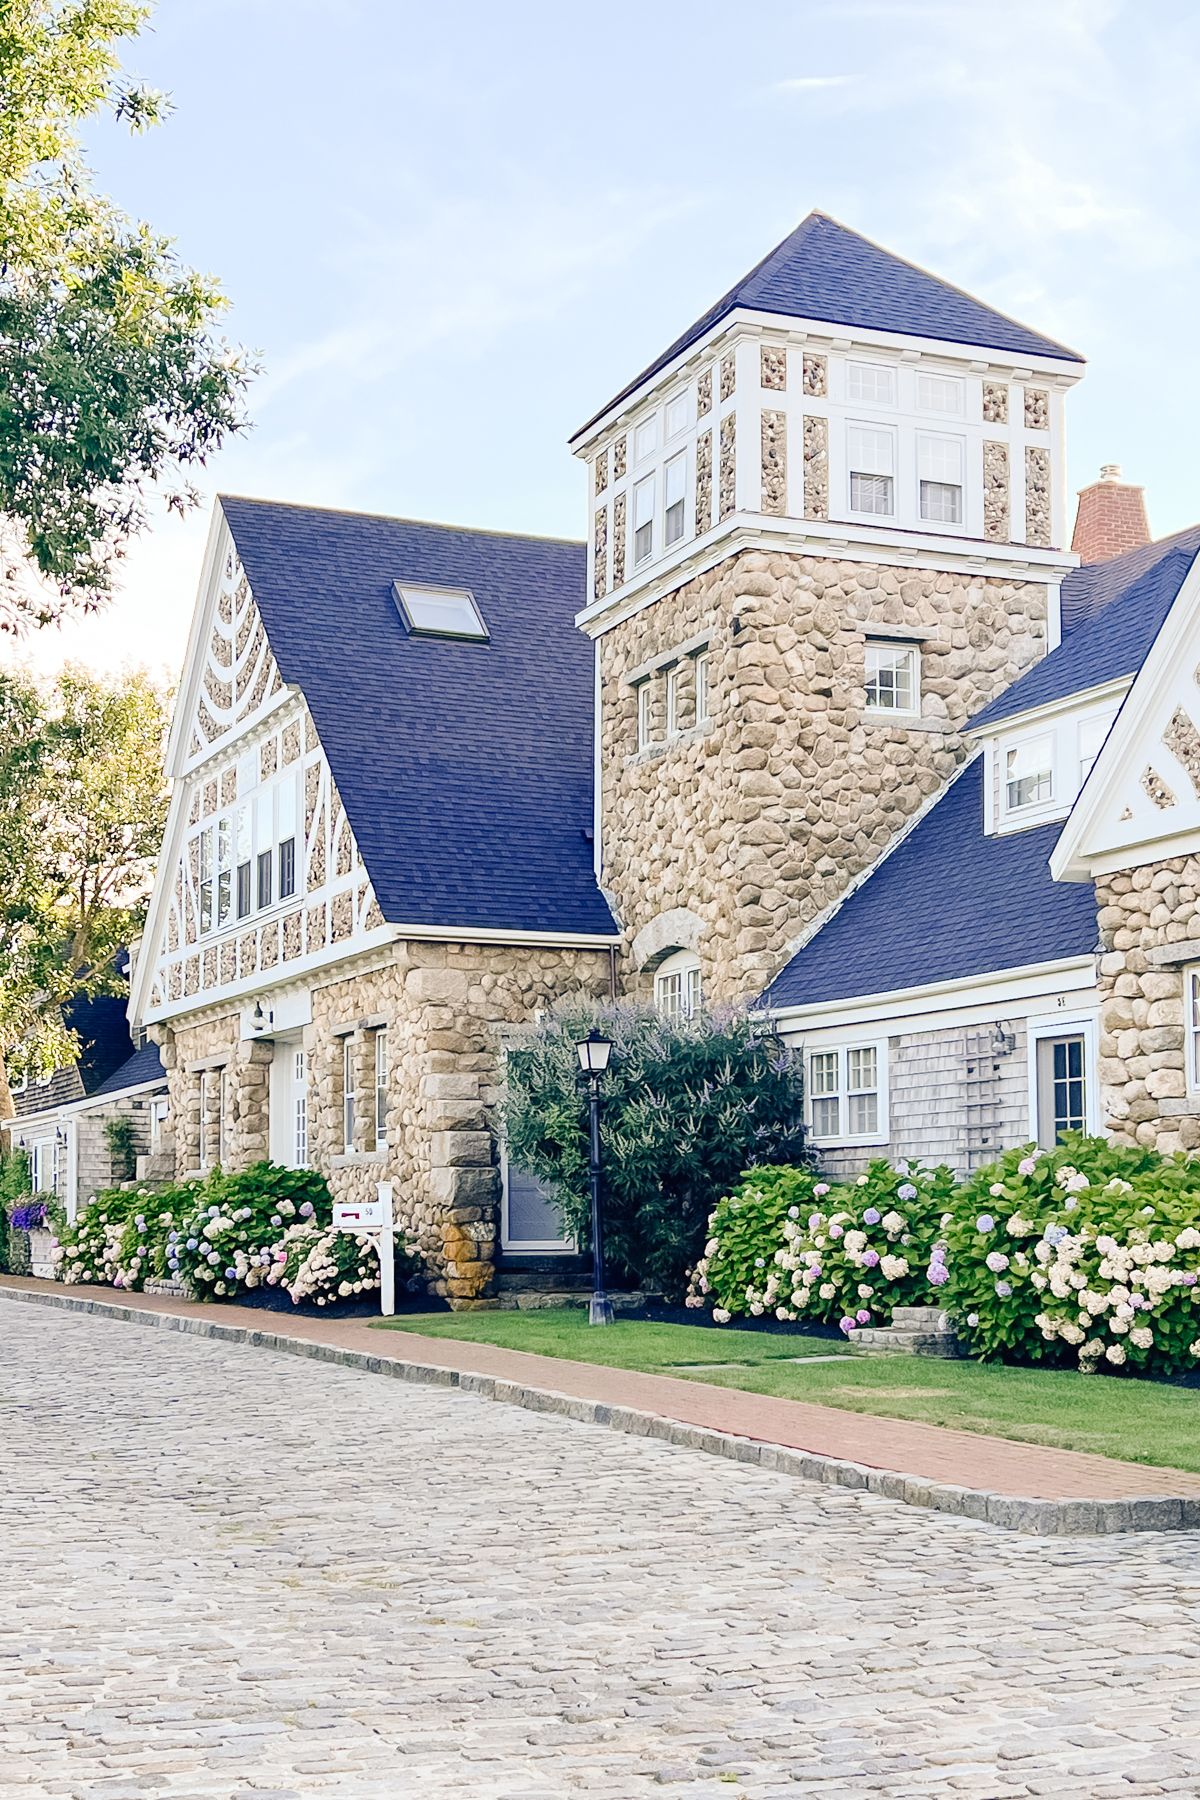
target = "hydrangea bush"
x: 789, y: 1244
x: 227, y: 1243
x: 1088, y: 1254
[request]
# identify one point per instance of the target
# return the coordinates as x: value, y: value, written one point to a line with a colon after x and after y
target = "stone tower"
x: 826, y: 527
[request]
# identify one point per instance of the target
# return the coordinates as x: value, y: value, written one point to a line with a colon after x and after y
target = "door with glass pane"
x: 289, y: 1104
x: 1061, y: 1087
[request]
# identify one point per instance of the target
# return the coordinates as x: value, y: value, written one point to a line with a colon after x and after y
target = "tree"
x: 688, y: 1106
x: 82, y: 810
x: 112, y: 382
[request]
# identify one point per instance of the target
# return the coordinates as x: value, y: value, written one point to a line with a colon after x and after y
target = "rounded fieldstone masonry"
x: 1149, y: 921
x: 759, y: 820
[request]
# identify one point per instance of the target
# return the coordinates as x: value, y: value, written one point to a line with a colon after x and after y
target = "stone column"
x: 248, y: 1103
x: 464, y: 1182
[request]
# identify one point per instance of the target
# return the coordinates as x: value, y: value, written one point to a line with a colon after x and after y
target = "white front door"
x: 289, y: 1104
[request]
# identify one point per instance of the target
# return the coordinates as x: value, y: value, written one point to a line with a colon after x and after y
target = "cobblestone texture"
x: 230, y: 1574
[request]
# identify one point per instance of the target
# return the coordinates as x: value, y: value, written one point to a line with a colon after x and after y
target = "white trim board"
x: 973, y: 999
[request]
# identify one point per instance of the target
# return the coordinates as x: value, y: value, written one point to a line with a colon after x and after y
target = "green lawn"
x: 1134, y: 1421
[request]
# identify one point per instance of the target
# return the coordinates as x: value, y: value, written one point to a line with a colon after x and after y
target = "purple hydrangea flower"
x: 835, y: 1231
x: 872, y: 1216
x: 937, y: 1274
x: 193, y: 1243
x: 906, y: 1191
x: 848, y: 1325
x: 307, y: 1210
x: 863, y: 1316
x: 871, y: 1258
x: 985, y: 1222
x: 231, y: 1274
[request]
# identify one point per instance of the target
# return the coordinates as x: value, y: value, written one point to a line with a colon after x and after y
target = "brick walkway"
x: 929, y: 1452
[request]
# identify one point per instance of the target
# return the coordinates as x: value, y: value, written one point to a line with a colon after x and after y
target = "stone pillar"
x: 464, y: 1182
x: 248, y: 1104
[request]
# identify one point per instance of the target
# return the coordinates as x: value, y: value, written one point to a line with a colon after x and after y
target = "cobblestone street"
x: 228, y: 1572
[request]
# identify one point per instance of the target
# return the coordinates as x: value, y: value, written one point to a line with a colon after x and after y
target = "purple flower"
x: 835, y: 1231
x: 906, y: 1191
x: 872, y: 1216
x: 863, y: 1316
x: 307, y: 1210
x: 193, y: 1243
x: 231, y: 1274
x: 1189, y: 1281
x: 985, y: 1222
x: 870, y: 1258
x: 814, y: 1220
x: 937, y: 1274
x: 848, y: 1325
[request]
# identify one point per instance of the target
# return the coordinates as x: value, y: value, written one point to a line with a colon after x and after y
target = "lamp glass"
x: 594, y: 1051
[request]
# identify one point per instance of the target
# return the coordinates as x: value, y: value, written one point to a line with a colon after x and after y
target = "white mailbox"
x: 373, y: 1219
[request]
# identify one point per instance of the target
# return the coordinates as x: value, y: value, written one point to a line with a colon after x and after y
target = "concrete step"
x: 897, y: 1341
x: 525, y: 1301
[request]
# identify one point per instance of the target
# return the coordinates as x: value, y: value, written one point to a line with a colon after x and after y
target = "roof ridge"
x: 360, y: 512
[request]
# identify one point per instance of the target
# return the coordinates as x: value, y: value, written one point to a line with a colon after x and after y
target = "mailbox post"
x: 373, y: 1219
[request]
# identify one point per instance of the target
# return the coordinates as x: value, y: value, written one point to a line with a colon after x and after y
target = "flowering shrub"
x: 30, y: 1217
x: 788, y: 1244
x: 337, y: 1265
x: 1089, y: 1253
x: 90, y: 1249
x: 226, y: 1244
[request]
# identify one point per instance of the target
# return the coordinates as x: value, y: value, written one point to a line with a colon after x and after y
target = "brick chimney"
x: 1111, y: 518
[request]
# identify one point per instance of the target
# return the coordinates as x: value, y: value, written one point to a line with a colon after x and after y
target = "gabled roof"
x: 1115, y: 623
x: 143, y: 1066
x: 99, y: 1022
x: 825, y: 271
x: 947, y: 903
x: 465, y: 767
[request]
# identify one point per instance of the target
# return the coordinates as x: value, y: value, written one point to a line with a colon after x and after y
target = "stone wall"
x: 448, y: 1010
x: 758, y: 821
x: 1149, y: 922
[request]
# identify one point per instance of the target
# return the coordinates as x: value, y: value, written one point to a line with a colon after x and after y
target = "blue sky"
x: 452, y: 231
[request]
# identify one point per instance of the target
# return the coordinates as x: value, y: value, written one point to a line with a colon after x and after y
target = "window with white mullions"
x: 873, y: 384
x: 348, y: 1095
x: 1062, y: 1087
x: 892, y: 677
x: 1029, y: 773
x: 643, y: 519
x: 939, y: 394
x: 677, y: 986
x: 381, y: 1089
x: 675, y: 486
x: 645, y: 703
x: 846, y: 1100
x: 940, y: 479
x: 871, y: 460
x: 1192, y: 1017
x: 300, y: 1109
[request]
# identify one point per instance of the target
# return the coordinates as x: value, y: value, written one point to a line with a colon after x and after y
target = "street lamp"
x: 594, y: 1051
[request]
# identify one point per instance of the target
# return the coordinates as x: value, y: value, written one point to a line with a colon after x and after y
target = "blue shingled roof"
x: 465, y: 768
x: 1115, y: 626
x: 947, y: 903
x: 143, y: 1066
x: 1088, y: 590
x: 822, y: 270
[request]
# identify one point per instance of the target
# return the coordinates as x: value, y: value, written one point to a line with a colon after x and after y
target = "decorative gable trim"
x: 1141, y: 800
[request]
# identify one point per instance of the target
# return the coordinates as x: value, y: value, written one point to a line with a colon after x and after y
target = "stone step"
x: 523, y: 1301
x: 897, y: 1341
x: 921, y: 1318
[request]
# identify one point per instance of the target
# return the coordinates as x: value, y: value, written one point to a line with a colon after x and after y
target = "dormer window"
x: 645, y: 439
x: 439, y: 612
x: 872, y: 384
x: 1029, y: 773
x: 871, y: 457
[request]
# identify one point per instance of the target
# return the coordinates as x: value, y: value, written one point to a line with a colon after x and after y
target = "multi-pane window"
x: 674, y: 701
x: 300, y: 1109
x: 348, y: 1050
x: 940, y: 394
x: 700, y: 668
x: 1192, y: 1020
x: 678, y: 414
x: 845, y: 1093
x: 1029, y: 773
x: 940, y: 479
x: 872, y: 383
x: 677, y: 992
x: 381, y: 1089
x: 675, y: 486
x: 236, y: 855
x: 643, y: 519
x: 1062, y: 1087
x: 287, y: 868
x: 891, y: 677
x: 645, y: 700
x: 645, y: 439
x: 871, y: 458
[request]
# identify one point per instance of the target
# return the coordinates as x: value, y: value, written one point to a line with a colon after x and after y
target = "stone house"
x: 59, y: 1119
x: 827, y: 716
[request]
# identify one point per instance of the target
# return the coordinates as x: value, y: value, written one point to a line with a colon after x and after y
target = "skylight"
x: 439, y: 612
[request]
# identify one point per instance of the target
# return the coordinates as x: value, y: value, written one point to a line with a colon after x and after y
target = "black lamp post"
x: 594, y: 1052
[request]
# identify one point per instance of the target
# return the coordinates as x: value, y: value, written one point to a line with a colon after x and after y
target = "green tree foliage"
x: 688, y: 1106
x: 82, y: 810
x: 112, y: 381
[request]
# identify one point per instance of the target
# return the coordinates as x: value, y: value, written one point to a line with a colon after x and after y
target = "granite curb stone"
x: 1043, y: 1518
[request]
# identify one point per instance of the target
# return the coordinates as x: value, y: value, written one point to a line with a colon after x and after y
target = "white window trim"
x: 882, y: 368
x: 1029, y: 809
x: 702, y: 689
x: 958, y: 382
x: 380, y: 1050
x: 1191, y: 973
x: 841, y: 1046
x: 950, y: 527
x: 349, y: 1095
x: 684, y: 965
x: 895, y: 712
x: 674, y: 686
x: 892, y: 431
x: 1064, y: 1024
x: 644, y: 695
